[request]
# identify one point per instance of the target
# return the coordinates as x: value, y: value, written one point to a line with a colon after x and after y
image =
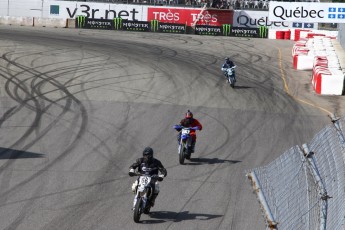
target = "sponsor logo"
x: 245, y: 32
x: 55, y: 9
x: 190, y: 17
x: 81, y: 21
x: 118, y: 23
x: 284, y: 14
x: 263, y: 31
x: 154, y: 25
x: 244, y: 20
x: 136, y: 25
x: 92, y: 13
x: 208, y: 30
x: 226, y: 29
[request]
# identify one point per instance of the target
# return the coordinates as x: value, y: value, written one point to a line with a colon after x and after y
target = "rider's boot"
x: 193, y: 147
x: 153, y: 198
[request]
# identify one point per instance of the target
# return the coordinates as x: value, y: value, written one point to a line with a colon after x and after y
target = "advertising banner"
x: 87, y: 23
x: 66, y: 9
x: 254, y: 19
x: 261, y: 32
x: 321, y: 12
x: 208, y: 30
x: 140, y: 26
x: 190, y: 16
x: 229, y: 30
x: 162, y: 27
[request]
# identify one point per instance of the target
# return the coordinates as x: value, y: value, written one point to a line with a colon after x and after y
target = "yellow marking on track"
x: 286, y: 87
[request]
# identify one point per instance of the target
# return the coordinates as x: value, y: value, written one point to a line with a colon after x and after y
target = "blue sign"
x: 297, y: 25
x: 308, y: 25
x: 54, y: 9
x: 336, y: 13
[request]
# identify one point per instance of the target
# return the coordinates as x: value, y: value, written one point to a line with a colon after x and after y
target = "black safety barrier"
x: 261, y: 32
x: 208, y: 30
x: 141, y: 26
x: 162, y: 27
x: 89, y: 23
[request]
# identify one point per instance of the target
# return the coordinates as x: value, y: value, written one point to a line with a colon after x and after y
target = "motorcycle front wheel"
x: 137, y: 210
x: 181, y: 154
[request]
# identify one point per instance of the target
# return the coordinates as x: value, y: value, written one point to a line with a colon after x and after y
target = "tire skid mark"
x: 38, y: 116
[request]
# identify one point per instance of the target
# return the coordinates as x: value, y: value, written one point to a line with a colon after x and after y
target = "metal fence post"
x: 257, y: 188
x: 322, y: 190
x: 335, y: 121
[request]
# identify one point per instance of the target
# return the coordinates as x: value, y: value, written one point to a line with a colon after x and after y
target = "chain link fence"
x: 305, y: 187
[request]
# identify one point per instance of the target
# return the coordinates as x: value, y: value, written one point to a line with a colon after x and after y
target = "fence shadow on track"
x: 163, y: 216
x: 202, y: 161
x: 6, y: 153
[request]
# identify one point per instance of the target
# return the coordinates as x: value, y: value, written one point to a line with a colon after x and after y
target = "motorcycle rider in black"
x: 147, y: 165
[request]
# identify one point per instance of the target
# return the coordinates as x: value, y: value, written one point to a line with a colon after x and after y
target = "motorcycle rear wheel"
x: 137, y: 210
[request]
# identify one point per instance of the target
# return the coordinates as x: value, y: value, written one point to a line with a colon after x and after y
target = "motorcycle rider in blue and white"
x: 228, y: 64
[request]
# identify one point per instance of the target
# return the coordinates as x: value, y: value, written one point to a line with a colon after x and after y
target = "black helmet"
x: 148, y: 154
x: 189, y: 114
x: 227, y: 59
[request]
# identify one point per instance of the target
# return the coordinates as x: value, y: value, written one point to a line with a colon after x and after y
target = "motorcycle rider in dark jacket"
x: 147, y: 165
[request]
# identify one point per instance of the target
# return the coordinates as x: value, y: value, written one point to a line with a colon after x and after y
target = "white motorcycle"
x: 144, y: 192
x: 229, y: 73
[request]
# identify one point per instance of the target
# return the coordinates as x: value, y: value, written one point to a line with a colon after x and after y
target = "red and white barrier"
x: 303, y: 62
x: 328, y: 82
x: 318, y: 54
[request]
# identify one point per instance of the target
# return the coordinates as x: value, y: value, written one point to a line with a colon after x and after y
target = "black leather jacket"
x: 228, y: 64
x: 151, y: 168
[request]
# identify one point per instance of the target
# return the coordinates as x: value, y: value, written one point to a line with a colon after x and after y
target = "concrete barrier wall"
x: 35, y: 21
x: 341, y: 29
x: 50, y: 22
x: 20, y: 21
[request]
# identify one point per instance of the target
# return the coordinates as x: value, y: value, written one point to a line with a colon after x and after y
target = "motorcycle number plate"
x: 144, y: 180
x: 185, y: 131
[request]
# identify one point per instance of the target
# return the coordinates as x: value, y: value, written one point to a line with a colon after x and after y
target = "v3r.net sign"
x: 324, y: 12
x: 190, y: 17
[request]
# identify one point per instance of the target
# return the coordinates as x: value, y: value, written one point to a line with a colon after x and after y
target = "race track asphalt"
x: 79, y: 106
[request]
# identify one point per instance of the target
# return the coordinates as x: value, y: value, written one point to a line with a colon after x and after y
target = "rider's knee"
x: 134, y: 186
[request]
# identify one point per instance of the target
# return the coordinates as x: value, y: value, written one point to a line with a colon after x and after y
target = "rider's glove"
x: 131, y: 172
x: 177, y: 127
x: 160, y: 178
